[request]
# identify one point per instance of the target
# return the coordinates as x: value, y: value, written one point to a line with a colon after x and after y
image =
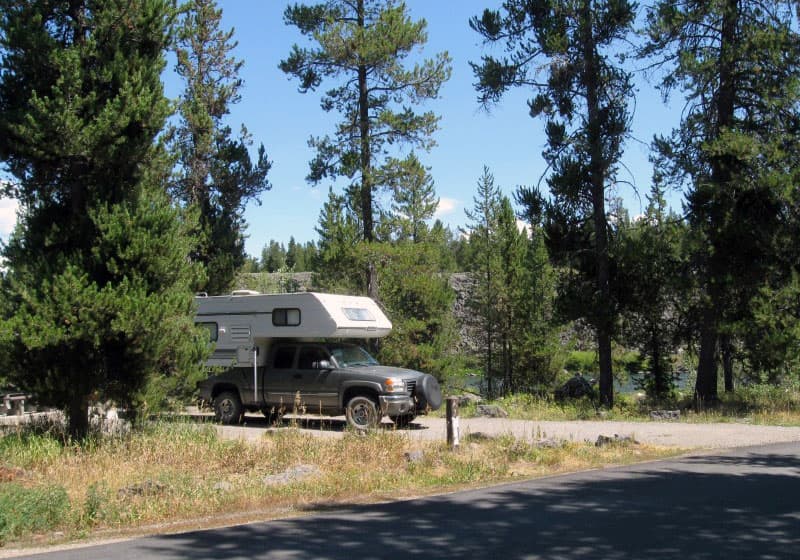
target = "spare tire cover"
x: 430, y: 394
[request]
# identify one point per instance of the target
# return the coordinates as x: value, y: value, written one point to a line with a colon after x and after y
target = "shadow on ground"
x: 745, y: 505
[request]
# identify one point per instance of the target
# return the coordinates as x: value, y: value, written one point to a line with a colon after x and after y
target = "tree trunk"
x: 366, y: 166
x: 706, y: 386
x: 726, y: 349
x: 78, y: 417
x: 597, y: 176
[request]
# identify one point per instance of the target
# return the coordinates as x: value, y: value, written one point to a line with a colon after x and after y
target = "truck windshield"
x: 349, y: 356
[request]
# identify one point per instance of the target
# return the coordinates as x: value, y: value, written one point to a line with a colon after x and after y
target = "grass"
x: 185, y: 474
x: 757, y: 404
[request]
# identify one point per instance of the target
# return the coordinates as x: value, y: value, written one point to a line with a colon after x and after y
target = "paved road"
x: 743, y: 503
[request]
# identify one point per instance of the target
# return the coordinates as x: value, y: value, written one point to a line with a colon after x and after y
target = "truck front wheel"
x: 362, y: 413
x: 228, y: 407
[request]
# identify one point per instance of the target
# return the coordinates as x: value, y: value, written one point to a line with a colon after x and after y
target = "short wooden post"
x: 452, y: 422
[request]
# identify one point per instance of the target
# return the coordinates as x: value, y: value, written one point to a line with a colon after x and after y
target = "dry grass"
x: 177, y: 472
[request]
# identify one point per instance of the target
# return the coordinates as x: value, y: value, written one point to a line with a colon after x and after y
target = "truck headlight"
x: 394, y: 385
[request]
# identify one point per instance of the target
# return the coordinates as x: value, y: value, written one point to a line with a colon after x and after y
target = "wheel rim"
x: 362, y: 415
x: 226, y: 407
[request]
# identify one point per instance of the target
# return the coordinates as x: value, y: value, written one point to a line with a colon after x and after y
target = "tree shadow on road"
x: 696, y: 507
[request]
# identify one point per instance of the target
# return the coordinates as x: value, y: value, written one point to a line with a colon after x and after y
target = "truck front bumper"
x: 397, y: 405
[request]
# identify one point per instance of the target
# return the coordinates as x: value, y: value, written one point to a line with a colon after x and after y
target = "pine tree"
x: 414, y: 200
x: 584, y: 101
x: 652, y: 268
x: 215, y: 172
x: 736, y: 149
x: 98, y: 281
x: 485, y: 266
x: 338, y: 258
x: 361, y: 47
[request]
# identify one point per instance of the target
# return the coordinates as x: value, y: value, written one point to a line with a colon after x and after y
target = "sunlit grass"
x: 173, y: 472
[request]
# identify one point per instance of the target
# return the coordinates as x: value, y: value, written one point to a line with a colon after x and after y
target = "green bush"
x: 584, y: 361
x: 29, y: 510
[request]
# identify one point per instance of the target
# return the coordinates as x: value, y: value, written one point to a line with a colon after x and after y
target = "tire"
x: 362, y: 413
x: 228, y: 407
x: 403, y: 420
x: 429, y: 394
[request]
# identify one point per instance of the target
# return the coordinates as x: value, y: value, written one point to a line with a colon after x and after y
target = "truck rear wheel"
x: 228, y: 407
x: 362, y: 413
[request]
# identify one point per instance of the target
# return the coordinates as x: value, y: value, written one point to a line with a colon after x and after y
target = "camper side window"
x: 285, y: 317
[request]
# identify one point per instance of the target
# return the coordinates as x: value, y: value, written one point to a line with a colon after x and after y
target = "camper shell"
x: 245, y: 321
x: 284, y: 352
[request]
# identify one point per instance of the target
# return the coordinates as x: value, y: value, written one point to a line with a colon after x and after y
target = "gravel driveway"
x: 674, y: 434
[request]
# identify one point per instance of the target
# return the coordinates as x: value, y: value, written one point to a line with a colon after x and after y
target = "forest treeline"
x: 130, y: 203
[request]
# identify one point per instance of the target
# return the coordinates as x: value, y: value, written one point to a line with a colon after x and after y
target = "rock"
x: 492, y: 411
x: 223, y: 486
x: 548, y: 444
x: 665, y: 414
x: 574, y: 388
x: 617, y: 440
x: 468, y: 399
x: 415, y: 456
x: 293, y: 474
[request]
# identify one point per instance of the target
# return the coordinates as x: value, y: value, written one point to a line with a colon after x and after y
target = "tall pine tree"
x: 215, y: 172
x: 98, y: 281
x: 736, y: 149
x: 360, y: 46
x: 584, y: 101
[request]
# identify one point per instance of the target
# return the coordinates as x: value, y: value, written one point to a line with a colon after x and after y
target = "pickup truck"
x: 330, y: 378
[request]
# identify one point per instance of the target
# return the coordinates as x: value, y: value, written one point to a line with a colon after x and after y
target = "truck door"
x: 280, y: 377
x: 317, y: 389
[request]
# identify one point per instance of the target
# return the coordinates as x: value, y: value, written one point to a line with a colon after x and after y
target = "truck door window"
x: 310, y: 357
x: 284, y: 357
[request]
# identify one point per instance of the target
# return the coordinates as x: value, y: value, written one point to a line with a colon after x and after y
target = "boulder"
x: 662, y: 415
x: 492, y: 411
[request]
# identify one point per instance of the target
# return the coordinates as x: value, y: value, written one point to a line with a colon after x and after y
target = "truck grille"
x: 411, y: 385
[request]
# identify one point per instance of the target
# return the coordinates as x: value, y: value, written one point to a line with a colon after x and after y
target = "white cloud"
x: 446, y: 206
x: 8, y: 215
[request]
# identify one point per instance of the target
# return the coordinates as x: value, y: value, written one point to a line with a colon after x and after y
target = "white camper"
x: 242, y: 324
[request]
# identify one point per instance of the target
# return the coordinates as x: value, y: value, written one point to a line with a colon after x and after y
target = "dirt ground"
x: 671, y: 434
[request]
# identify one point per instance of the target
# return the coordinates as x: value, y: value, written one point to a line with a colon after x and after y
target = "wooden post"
x: 452, y: 422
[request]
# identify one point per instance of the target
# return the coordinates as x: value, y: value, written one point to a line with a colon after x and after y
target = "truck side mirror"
x: 321, y: 364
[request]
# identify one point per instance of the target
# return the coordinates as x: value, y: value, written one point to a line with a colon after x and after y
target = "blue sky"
x: 507, y: 139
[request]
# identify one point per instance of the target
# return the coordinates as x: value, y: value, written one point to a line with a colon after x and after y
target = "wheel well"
x: 222, y: 388
x: 359, y: 391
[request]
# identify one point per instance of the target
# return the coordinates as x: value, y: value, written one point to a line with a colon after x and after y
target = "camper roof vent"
x: 244, y: 293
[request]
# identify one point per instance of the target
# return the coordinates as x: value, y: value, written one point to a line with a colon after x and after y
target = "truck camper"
x: 286, y: 351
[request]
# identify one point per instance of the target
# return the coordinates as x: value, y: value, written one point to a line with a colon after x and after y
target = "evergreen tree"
x: 414, y: 198
x: 273, y: 257
x: 652, y: 269
x: 419, y: 300
x: 535, y: 335
x: 736, y: 148
x: 361, y: 46
x: 584, y: 101
x: 510, y: 245
x: 485, y: 266
x: 98, y: 284
x: 338, y: 257
x: 215, y: 171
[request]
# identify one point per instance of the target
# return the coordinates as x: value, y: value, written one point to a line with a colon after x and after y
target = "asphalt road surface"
x: 743, y: 503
